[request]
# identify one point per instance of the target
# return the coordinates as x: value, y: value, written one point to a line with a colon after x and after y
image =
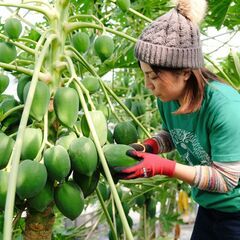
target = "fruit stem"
x: 99, y: 195
x: 9, y: 112
x: 72, y: 71
x: 48, y: 14
x: 69, y: 27
x: 15, y: 157
x: 221, y: 71
x: 17, y: 44
x: 45, y: 138
x: 42, y: 76
x: 140, y: 15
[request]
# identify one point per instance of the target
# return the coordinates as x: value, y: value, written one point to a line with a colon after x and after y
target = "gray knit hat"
x: 173, y: 40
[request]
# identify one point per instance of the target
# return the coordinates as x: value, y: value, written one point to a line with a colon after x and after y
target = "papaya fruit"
x: 6, y: 147
x: 13, y: 28
x: 31, y: 179
x: 32, y: 140
x: 4, y: 82
x: 41, y: 201
x: 40, y: 101
x: 8, y: 52
x: 125, y: 133
x: 66, y: 140
x: 138, y: 108
x: 87, y: 183
x: 66, y: 105
x: 57, y: 162
x: 91, y: 84
x: 116, y: 155
x: 100, y: 124
x: 83, y: 155
x: 104, y: 46
x: 81, y: 41
x: 23, y: 80
x: 151, y: 208
x: 124, y: 5
x: 69, y: 199
x: 4, y: 176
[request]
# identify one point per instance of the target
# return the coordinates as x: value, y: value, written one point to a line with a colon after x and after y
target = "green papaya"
x: 83, y: 155
x: 57, y: 162
x: 125, y: 133
x: 116, y: 155
x: 6, y: 147
x: 41, y: 201
x: 21, y: 84
x: 32, y: 140
x: 110, y: 138
x: 66, y: 105
x: 40, y: 101
x: 13, y: 28
x: 7, y: 104
x: 69, y: 199
x: 151, y: 207
x: 4, y: 176
x: 31, y: 179
x: 87, y: 183
x: 104, y: 46
x: 91, y: 84
x: 8, y: 52
x: 124, y: 5
x: 66, y: 140
x: 100, y: 124
x: 4, y: 82
x: 104, y: 108
x: 140, y: 200
x: 81, y: 41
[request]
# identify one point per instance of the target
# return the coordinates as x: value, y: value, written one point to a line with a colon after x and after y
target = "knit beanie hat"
x: 173, y: 40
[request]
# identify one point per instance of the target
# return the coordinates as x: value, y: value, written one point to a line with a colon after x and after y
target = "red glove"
x: 150, y: 145
x: 149, y: 165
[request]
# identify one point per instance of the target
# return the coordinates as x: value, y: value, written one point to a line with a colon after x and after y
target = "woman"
x: 201, y: 119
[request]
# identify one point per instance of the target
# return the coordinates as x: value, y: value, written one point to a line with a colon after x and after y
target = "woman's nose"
x: 148, y: 84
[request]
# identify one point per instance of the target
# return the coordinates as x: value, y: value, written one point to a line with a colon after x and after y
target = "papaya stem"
x: 140, y: 15
x: 9, y: 112
x: 221, y: 71
x: 48, y: 14
x: 17, y: 44
x: 74, y: 76
x: 99, y: 195
x: 42, y: 76
x: 45, y: 138
x: 15, y: 157
x: 104, y: 164
x: 69, y: 27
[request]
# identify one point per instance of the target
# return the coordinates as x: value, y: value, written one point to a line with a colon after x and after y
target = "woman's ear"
x: 186, y: 74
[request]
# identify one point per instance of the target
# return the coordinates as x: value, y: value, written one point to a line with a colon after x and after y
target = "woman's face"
x: 166, y: 85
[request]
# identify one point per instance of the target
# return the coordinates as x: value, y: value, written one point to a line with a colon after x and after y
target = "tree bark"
x: 39, y: 225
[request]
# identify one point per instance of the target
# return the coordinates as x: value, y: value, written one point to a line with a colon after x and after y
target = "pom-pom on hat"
x: 173, y: 40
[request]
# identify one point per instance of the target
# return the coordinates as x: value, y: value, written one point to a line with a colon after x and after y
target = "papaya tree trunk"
x: 39, y: 225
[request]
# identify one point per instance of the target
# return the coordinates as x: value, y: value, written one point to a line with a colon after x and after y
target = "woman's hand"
x: 149, y: 165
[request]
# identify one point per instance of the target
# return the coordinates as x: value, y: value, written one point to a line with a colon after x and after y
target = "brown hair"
x: 194, y: 91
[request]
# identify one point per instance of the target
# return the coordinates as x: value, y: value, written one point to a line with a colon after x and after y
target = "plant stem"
x: 106, y: 213
x: 48, y: 14
x: 42, y: 76
x: 9, y: 112
x: 104, y: 164
x: 19, y: 45
x: 15, y: 157
x: 220, y: 70
x: 140, y: 15
x: 76, y: 25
